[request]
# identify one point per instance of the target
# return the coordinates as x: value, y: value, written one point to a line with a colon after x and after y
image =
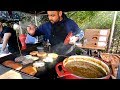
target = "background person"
x: 9, y: 37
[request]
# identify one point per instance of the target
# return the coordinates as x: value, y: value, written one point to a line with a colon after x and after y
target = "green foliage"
x: 81, y: 17
x: 99, y: 20
x: 92, y: 19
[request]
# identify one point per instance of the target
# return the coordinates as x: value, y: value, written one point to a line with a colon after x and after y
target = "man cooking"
x: 56, y: 29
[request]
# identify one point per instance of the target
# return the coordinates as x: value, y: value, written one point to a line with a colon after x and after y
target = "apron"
x: 58, y: 35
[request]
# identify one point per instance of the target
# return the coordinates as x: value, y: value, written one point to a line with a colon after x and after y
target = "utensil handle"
x: 63, y: 72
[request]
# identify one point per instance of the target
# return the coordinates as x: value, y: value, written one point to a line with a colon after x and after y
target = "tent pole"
x: 112, y: 31
x: 21, y: 32
x: 36, y: 19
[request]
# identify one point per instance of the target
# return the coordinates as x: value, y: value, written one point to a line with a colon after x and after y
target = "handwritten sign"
x: 102, y: 38
x: 103, y: 32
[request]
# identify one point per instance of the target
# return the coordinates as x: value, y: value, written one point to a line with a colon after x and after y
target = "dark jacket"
x: 56, y: 33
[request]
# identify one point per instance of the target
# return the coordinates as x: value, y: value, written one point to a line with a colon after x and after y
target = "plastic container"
x: 40, y: 49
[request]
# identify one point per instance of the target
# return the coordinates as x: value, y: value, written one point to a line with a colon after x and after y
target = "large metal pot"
x: 74, y: 61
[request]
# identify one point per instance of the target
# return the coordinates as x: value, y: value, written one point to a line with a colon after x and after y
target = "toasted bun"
x: 29, y: 70
x: 34, y: 53
x: 42, y: 54
x: 31, y: 57
x: 53, y: 55
x: 12, y: 64
x: 8, y: 62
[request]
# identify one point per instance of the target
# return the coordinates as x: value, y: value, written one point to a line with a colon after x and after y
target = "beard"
x: 52, y: 22
x: 56, y: 21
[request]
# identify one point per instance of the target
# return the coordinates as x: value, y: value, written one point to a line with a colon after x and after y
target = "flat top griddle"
x: 4, y: 73
x: 48, y: 72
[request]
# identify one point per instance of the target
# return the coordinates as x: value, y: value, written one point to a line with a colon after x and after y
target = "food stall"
x: 43, y: 64
x: 37, y: 62
x: 53, y: 66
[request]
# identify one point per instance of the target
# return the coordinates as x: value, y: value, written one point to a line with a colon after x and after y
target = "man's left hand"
x: 73, y: 40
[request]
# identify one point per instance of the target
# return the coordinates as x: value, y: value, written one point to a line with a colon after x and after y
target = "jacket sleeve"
x: 72, y: 26
x: 39, y: 31
x: 44, y: 30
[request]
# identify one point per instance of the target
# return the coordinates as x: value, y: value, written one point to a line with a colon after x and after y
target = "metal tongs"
x: 48, y: 45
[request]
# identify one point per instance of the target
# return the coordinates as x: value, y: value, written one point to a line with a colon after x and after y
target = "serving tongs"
x: 47, y: 45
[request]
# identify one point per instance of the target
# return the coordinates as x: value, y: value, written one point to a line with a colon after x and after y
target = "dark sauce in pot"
x: 85, y: 69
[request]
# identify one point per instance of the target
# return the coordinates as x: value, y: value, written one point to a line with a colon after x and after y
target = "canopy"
x: 35, y: 12
x: 38, y: 12
x: 9, y: 16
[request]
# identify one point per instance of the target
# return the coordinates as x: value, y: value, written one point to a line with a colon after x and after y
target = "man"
x: 9, y: 37
x: 57, y: 29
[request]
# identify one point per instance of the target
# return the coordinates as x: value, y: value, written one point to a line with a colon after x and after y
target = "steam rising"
x: 62, y: 49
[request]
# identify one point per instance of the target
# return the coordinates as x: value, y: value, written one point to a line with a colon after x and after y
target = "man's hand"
x: 73, y: 40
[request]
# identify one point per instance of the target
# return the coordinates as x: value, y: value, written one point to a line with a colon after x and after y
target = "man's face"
x: 53, y: 16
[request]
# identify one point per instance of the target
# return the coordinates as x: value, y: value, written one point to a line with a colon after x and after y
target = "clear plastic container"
x: 40, y: 49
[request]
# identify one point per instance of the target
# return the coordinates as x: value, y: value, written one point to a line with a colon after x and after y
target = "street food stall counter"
x: 49, y: 69
x: 46, y: 72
